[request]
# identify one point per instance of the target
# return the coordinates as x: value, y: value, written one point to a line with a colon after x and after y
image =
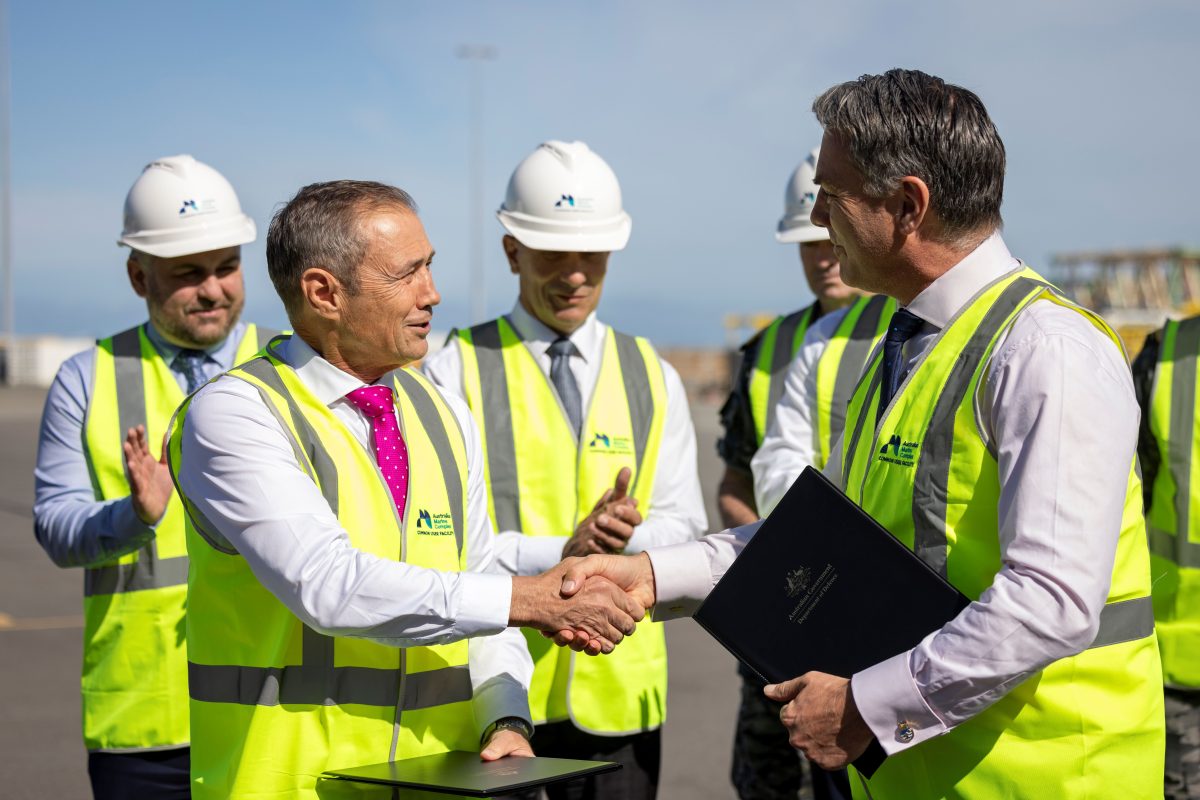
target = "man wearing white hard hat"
x: 589, y: 448
x: 803, y: 366
x: 104, y: 500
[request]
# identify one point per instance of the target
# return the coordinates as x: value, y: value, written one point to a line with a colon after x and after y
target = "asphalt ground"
x: 41, y: 751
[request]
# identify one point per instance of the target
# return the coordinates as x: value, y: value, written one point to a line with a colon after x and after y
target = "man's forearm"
x: 735, y: 498
x: 77, y: 533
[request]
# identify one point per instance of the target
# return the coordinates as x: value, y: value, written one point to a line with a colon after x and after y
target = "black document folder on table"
x: 824, y: 587
x: 463, y: 774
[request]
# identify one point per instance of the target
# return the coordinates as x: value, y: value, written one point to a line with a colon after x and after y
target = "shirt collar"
x: 323, y: 379
x: 223, y: 353
x: 539, y: 336
x: 938, y: 303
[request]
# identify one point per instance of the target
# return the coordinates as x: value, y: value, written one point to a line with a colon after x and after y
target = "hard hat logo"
x: 192, y: 208
x: 569, y: 202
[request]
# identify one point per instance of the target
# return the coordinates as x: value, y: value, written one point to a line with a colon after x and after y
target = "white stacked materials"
x: 35, y: 360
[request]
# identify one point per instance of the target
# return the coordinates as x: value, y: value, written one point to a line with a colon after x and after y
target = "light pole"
x: 475, y: 55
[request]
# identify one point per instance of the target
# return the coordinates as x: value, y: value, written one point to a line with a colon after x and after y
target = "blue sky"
x: 702, y: 108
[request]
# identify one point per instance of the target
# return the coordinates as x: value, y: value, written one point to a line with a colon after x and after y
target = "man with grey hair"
x: 994, y: 434
x: 332, y: 587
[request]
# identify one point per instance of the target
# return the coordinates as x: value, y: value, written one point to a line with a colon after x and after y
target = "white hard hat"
x: 798, y: 200
x: 564, y: 197
x: 179, y: 206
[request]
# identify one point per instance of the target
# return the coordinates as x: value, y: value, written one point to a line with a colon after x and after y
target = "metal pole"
x: 6, y: 193
x: 476, y: 55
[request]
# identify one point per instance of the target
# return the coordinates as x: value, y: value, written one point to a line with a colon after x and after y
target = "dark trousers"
x: 154, y: 775
x: 640, y: 757
x: 765, y: 765
x: 1183, y: 745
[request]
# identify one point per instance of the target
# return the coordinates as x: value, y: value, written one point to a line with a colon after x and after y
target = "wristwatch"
x: 507, y: 724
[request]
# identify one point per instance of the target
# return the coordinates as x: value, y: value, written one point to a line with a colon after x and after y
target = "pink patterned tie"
x: 391, y: 453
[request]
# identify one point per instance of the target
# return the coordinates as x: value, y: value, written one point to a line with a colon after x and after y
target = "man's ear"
x: 511, y: 246
x: 137, y: 274
x: 322, y: 292
x: 914, y: 205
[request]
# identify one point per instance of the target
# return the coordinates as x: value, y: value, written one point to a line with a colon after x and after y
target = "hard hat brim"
x: 605, y: 237
x: 202, y: 239
x: 801, y: 233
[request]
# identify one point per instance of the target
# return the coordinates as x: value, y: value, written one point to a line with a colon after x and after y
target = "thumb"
x: 786, y: 691
x: 621, y: 487
x: 577, y: 573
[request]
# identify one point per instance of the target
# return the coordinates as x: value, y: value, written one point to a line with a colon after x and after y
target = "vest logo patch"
x: 441, y: 524
x: 898, y: 451
x: 614, y: 445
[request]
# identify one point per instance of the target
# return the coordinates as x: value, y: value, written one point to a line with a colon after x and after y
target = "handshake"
x: 590, y: 603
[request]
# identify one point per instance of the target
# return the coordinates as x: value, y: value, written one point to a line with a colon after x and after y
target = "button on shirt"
x: 676, y: 505
x: 239, y: 469
x: 73, y: 527
x: 1058, y: 409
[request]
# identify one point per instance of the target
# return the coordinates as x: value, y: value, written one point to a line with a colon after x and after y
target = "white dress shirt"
x: 791, y: 443
x: 239, y: 469
x: 1058, y: 408
x: 676, y: 506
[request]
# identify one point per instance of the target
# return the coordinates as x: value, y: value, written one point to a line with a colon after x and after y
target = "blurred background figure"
x: 104, y: 499
x: 764, y: 764
x: 1164, y: 377
x: 579, y: 421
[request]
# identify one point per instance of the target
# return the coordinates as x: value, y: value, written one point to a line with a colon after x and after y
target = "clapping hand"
x: 149, y: 478
x: 608, y: 528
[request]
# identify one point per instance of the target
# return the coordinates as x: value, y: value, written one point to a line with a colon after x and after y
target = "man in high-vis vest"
x: 838, y: 332
x: 1164, y: 375
x: 589, y: 448
x: 341, y: 553
x: 104, y: 500
x: 994, y: 433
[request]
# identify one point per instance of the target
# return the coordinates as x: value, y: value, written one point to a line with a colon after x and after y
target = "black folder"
x: 824, y: 587
x: 465, y: 775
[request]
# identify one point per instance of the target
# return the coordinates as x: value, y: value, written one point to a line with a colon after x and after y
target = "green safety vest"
x: 275, y: 703
x: 1173, y: 518
x: 1086, y: 726
x: 543, y: 480
x: 134, y: 660
x: 863, y: 325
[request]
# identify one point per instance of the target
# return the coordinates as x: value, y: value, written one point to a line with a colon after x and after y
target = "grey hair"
x: 905, y: 122
x: 321, y: 227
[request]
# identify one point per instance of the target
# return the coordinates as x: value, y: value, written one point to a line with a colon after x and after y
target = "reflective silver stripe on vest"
x: 863, y: 414
x: 1125, y: 621
x: 854, y: 358
x: 932, y: 481
x: 782, y: 355
x: 263, y: 336
x: 503, y: 481
x: 637, y: 395
x: 1176, y: 546
x: 148, y: 572
x: 335, y: 686
x: 439, y: 437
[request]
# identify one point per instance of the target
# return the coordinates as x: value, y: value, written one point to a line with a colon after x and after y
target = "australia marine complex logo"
x: 898, y: 451
x: 190, y: 208
x: 569, y: 202
x: 615, y: 445
x: 440, y: 524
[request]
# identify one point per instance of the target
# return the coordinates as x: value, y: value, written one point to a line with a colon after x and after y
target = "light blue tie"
x: 191, y: 363
x: 560, y: 351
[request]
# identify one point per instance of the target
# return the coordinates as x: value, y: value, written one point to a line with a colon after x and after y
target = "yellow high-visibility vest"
x: 543, y: 480
x: 1173, y: 519
x: 273, y: 702
x: 1087, y: 726
x: 134, y: 659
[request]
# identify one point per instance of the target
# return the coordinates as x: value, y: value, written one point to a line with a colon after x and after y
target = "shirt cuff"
x: 890, y: 703
x: 484, y: 603
x: 128, y: 525
x: 502, y: 696
x: 536, y: 554
x: 682, y: 579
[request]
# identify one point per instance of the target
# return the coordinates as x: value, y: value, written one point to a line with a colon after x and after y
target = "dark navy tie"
x: 903, y: 327
x: 190, y: 363
x: 560, y: 351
